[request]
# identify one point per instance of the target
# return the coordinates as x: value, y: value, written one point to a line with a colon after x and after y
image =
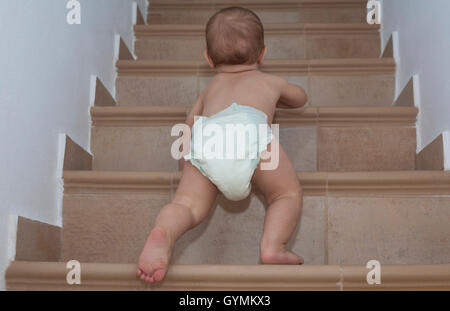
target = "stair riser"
x: 293, y: 46
x: 333, y: 230
x: 310, y: 149
x: 400, y: 230
x: 118, y: 227
x: 287, y: 15
x: 323, y: 90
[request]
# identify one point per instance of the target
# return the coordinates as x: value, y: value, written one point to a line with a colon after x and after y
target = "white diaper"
x: 226, y: 148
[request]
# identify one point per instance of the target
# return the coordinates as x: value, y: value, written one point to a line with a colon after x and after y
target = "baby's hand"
x: 292, y: 96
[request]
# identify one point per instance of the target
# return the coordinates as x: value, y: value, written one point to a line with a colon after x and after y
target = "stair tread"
x: 356, y: 82
x: 270, y: 11
x: 52, y: 275
x: 283, y: 40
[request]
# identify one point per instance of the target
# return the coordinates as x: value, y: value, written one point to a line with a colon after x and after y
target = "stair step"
x: 300, y: 11
x: 328, y: 82
x: 324, y: 138
x: 101, y: 276
x: 292, y: 40
x: 347, y: 218
x: 308, y: 116
x: 313, y: 183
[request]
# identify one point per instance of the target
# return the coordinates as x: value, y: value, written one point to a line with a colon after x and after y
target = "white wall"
x: 424, y: 49
x: 45, y: 69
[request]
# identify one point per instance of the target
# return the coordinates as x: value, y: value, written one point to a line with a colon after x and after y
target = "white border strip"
x: 92, y: 90
x: 446, y: 143
x: 396, y: 55
x: 115, y: 59
x: 12, y: 238
x: 134, y: 8
x: 59, y: 177
x: 417, y: 103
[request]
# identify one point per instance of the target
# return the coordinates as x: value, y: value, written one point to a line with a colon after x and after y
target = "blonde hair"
x: 234, y: 36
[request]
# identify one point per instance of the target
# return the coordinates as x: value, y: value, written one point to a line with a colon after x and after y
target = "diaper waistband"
x: 258, y: 116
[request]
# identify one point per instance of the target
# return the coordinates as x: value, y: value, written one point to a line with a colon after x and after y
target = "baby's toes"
x: 143, y: 276
x: 159, y: 274
x: 149, y: 279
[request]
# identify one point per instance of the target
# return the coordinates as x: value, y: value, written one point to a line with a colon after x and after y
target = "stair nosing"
x: 317, y: 183
x: 259, y: 4
x: 51, y: 275
x: 150, y: 30
x: 288, y: 66
x: 308, y: 116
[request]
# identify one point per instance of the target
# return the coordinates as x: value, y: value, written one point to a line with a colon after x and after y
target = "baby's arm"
x: 291, y: 96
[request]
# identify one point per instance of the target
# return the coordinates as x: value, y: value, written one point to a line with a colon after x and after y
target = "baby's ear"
x: 208, y: 59
x: 263, y: 54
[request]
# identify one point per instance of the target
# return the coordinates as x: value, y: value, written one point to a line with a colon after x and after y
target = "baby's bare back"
x: 250, y: 88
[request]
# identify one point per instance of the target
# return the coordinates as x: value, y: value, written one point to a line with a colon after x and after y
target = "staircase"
x: 353, y: 149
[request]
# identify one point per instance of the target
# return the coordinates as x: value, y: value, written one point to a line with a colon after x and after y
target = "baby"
x: 239, y: 93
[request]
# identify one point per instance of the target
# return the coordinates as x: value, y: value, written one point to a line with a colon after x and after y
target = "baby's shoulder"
x: 272, y: 80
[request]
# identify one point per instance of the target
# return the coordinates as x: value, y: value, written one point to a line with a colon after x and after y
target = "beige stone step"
x: 347, y: 218
x: 328, y: 82
x: 284, y: 11
x: 100, y: 276
x: 284, y: 41
x: 324, y: 138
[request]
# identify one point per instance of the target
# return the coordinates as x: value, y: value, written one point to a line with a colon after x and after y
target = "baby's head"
x: 235, y: 36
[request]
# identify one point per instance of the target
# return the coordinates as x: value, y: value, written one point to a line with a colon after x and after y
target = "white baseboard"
x: 8, y: 243
x: 417, y: 104
x: 92, y: 89
x: 12, y: 237
x: 396, y: 55
x: 134, y: 8
x: 116, y: 58
x: 59, y: 178
x: 446, y: 142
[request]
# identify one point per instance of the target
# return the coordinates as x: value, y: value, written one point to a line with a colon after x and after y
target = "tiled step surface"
x: 325, y: 138
x: 328, y: 82
x: 285, y: 11
x: 348, y: 218
x: 100, y: 276
x: 285, y: 41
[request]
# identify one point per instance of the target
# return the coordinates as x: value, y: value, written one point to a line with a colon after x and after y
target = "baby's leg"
x: 283, y: 194
x: 191, y: 204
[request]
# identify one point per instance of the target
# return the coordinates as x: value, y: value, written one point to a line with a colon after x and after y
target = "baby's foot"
x: 154, y: 259
x: 280, y: 256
